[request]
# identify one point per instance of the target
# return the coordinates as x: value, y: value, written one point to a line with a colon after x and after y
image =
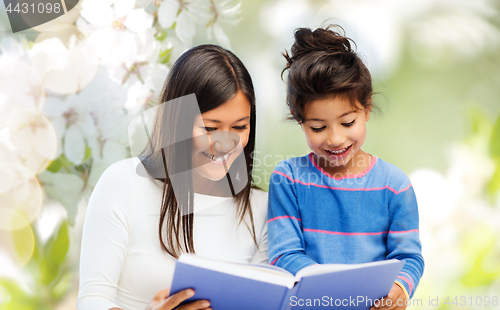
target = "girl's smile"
x: 339, y: 153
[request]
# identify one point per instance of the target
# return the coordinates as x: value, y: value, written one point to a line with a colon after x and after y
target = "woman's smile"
x: 219, y: 137
x: 218, y: 159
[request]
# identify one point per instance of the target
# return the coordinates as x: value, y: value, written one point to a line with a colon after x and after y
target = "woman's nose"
x: 224, y: 141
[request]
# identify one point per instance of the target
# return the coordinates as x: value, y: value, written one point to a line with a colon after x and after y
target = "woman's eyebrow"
x: 243, y: 118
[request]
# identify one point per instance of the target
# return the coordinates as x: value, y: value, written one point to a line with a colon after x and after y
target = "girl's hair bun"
x: 323, y: 64
x: 322, y: 41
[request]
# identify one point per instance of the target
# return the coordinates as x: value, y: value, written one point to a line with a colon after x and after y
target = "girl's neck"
x: 359, y: 162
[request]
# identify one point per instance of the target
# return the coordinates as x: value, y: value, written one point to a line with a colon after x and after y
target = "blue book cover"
x: 231, y: 286
x: 354, y: 286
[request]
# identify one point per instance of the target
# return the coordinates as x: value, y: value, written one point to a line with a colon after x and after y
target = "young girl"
x: 339, y: 204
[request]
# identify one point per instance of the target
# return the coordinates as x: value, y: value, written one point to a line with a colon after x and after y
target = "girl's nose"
x: 224, y: 141
x: 335, y: 138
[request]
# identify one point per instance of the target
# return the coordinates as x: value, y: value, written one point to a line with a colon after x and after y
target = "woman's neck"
x: 204, y: 186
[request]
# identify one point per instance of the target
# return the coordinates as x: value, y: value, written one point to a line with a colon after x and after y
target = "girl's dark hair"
x: 322, y: 64
x: 214, y: 75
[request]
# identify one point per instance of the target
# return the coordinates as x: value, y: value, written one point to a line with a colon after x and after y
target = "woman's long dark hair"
x: 214, y: 75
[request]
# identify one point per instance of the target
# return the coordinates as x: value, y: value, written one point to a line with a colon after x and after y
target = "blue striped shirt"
x: 314, y: 218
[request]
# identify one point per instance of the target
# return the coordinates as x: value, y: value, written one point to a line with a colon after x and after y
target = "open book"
x: 231, y: 286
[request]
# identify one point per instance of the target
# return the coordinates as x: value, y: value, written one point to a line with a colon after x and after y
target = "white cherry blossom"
x: 12, y: 50
x: 66, y: 188
x: 167, y: 13
x: 210, y: 13
x: 20, y: 84
x: 85, y: 117
x: 62, y: 69
x: 114, y: 26
x: 20, y: 195
x: 26, y: 137
x: 226, y: 11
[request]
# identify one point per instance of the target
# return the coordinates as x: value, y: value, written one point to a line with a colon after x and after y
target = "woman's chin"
x: 215, y: 170
x: 212, y: 172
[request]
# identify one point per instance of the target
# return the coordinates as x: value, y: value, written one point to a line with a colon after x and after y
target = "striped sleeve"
x: 403, y: 241
x: 286, y: 239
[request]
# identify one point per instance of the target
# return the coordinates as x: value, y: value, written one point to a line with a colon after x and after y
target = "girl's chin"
x: 333, y: 167
x: 336, y: 162
x: 339, y: 162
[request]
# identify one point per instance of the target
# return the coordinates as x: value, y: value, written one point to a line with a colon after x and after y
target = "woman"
x: 189, y: 191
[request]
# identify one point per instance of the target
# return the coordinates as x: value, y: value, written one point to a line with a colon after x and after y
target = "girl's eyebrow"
x: 314, y: 120
x: 322, y: 120
x: 217, y: 121
x: 347, y: 113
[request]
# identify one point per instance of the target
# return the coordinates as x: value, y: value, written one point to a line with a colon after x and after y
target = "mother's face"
x: 219, y: 136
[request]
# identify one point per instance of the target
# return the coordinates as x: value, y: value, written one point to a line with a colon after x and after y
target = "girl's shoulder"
x: 394, y: 176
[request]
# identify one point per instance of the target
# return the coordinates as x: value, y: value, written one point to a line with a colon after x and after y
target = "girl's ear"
x: 368, y: 109
x: 293, y: 115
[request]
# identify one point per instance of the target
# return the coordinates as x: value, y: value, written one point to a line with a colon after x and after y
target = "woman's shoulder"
x: 123, y: 172
x: 121, y: 187
x: 122, y: 168
x: 258, y: 202
x: 125, y: 165
x: 258, y: 196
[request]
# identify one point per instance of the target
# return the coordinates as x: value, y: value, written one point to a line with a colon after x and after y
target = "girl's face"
x: 219, y: 137
x: 335, y: 133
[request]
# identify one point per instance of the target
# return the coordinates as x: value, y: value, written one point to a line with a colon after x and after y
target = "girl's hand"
x: 396, y: 300
x: 162, y: 301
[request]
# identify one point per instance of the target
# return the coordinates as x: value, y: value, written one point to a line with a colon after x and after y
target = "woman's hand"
x: 162, y: 301
x: 396, y: 300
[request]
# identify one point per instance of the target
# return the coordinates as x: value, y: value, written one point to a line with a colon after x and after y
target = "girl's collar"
x: 347, y: 176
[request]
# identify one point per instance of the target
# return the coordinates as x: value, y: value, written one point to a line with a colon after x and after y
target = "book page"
x: 328, y: 268
x: 263, y: 273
